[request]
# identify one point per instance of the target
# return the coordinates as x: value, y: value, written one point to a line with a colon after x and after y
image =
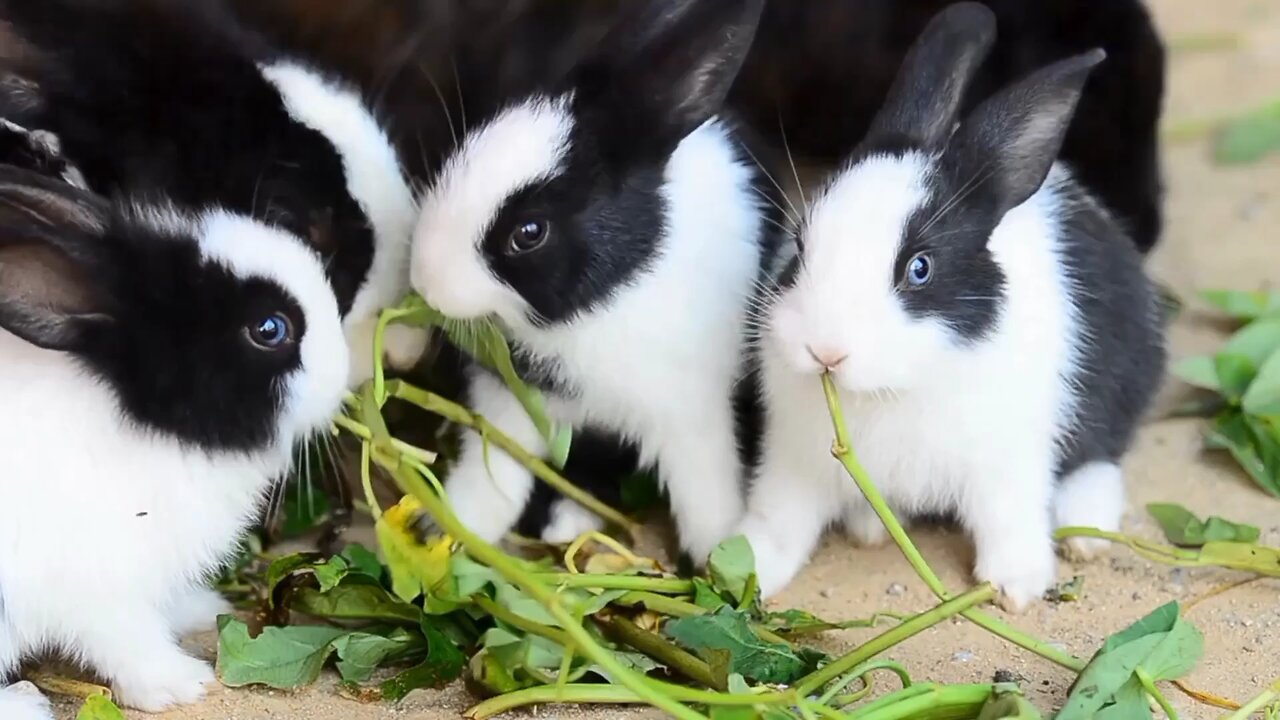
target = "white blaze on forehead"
x: 524, y: 145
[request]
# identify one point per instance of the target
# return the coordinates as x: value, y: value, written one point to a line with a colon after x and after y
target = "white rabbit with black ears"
x: 616, y: 227
x: 158, y: 368
x: 992, y: 334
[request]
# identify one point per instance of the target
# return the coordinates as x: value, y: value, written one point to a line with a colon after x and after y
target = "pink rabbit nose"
x: 827, y: 357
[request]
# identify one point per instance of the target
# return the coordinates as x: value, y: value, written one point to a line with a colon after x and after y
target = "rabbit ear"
x: 1016, y: 134
x: 667, y: 68
x: 51, y: 260
x: 927, y: 92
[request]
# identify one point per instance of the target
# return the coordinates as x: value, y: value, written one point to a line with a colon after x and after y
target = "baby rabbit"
x: 617, y: 229
x: 992, y: 334
x: 173, y: 100
x: 158, y: 367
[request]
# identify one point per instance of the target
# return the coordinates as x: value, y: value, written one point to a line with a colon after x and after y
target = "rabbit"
x: 988, y: 324
x: 617, y: 228
x: 175, y: 100
x: 818, y: 72
x: 159, y: 366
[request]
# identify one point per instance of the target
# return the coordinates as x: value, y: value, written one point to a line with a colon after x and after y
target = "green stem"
x: 843, y: 451
x: 1259, y: 702
x: 648, y: 691
x: 1150, y: 686
x: 555, y: 635
x: 596, y: 694
x: 456, y: 413
x: 814, y: 681
x: 664, y: 651
x: 861, y: 672
x: 674, y: 586
x: 426, y: 457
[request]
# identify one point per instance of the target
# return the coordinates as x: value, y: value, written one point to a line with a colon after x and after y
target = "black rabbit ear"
x: 38, y: 151
x: 1014, y: 136
x: 51, y: 260
x: 667, y: 67
x: 930, y: 86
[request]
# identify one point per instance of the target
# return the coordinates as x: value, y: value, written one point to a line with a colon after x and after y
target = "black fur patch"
x: 1120, y: 339
x: 163, y: 99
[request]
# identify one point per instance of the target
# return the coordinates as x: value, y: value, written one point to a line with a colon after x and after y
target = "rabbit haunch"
x: 989, y: 327
x: 617, y: 230
x: 176, y: 102
x: 146, y: 421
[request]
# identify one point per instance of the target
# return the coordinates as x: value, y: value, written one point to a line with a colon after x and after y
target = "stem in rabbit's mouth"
x: 843, y: 451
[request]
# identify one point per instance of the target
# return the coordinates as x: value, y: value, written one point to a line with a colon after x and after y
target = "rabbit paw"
x: 23, y: 701
x: 161, y: 683
x: 569, y: 520
x: 196, y: 611
x: 1021, y: 576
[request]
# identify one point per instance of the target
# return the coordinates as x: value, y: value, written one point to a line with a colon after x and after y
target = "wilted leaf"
x: 1249, y: 557
x: 1200, y: 372
x: 99, y: 707
x: 1066, y: 592
x: 281, y: 657
x: 356, y: 601
x: 731, y: 565
x: 415, y: 567
x: 1008, y: 703
x: 728, y: 630
x: 362, y: 653
x: 1250, y: 137
x: 1244, y: 305
x: 285, y: 566
x: 1162, y: 643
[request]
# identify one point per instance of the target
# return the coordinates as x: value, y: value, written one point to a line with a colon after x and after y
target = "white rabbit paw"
x: 23, y: 701
x: 196, y: 611
x: 1021, y: 578
x: 162, y: 683
x: 568, y: 521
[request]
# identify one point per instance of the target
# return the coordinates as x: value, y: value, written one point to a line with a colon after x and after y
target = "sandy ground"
x: 1221, y: 232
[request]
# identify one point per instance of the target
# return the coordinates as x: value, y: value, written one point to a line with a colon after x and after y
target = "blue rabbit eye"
x: 271, y: 332
x: 920, y: 270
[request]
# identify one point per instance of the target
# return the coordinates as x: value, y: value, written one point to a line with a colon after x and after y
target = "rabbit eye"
x: 920, y: 270
x: 271, y: 333
x: 529, y: 235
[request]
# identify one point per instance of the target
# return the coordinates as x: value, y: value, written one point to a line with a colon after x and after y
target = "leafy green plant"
x: 99, y: 707
x: 1244, y: 377
x: 1182, y: 528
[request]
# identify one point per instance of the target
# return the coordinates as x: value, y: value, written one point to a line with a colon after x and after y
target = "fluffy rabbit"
x: 819, y: 71
x: 174, y: 100
x: 158, y: 368
x: 989, y: 326
x: 617, y: 228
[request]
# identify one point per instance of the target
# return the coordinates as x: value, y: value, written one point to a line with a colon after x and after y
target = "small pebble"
x: 1137, y: 595
x: 896, y: 589
x: 963, y: 656
x: 827, y: 593
x: 1178, y: 575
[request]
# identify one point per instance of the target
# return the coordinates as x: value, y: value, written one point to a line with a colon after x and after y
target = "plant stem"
x: 679, y: 608
x: 456, y: 413
x: 1259, y: 702
x: 1150, y: 686
x: 555, y: 635
x: 360, y: 431
x: 664, y: 651
x: 814, y: 681
x: 58, y: 685
x: 647, y: 690
x: 843, y: 451
x: 599, y: 694
x: 674, y: 586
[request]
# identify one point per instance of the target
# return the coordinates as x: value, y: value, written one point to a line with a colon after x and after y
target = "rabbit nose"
x: 828, y: 357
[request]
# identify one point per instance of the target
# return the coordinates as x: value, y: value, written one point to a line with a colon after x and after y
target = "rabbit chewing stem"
x: 456, y: 413
x: 842, y: 449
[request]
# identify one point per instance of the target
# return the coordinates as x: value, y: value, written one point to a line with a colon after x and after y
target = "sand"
x: 1221, y: 232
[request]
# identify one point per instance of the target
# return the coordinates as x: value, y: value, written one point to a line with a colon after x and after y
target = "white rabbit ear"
x: 667, y: 67
x: 930, y: 86
x: 1018, y: 132
x: 51, y: 260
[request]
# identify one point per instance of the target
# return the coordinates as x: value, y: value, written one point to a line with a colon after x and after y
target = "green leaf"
x: 362, y: 653
x: 1256, y: 341
x: 1217, y: 529
x: 1128, y: 703
x: 285, y: 566
x: 1162, y: 643
x: 1200, y: 372
x: 443, y: 664
x: 1249, y: 137
x: 731, y: 566
x: 1244, y: 305
x: 303, y: 508
x: 281, y: 657
x: 1234, y: 372
x: 330, y: 573
x: 705, y: 596
x: 356, y: 601
x: 99, y: 707
x: 1258, y: 559
x: 728, y: 630
x: 1263, y: 395
x: 1180, y: 526
x: 1253, y: 442
x: 363, y: 560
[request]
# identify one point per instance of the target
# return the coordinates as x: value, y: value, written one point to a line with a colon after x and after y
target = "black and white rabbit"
x: 989, y: 326
x: 819, y: 71
x: 174, y: 100
x: 159, y: 366
x: 617, y: 229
